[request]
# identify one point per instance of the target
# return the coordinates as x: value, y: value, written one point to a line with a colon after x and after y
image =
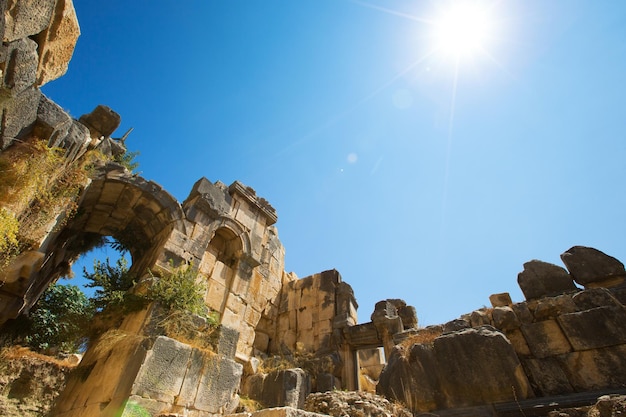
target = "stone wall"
x: 563, y: 339
x: 309, y: 311
x: 133, y: 370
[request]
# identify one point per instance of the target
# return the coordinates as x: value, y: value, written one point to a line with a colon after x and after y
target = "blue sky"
x: 415, y: 175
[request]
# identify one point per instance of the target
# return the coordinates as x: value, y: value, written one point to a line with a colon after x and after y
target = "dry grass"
x: 424, y: 336
x: 37, y: 184
x: 20, y: 352
x: 182, y: 326
x: 248, y: 405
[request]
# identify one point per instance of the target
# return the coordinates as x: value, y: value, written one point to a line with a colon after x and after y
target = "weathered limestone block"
x: 175, y: 374
x: 24, y: 18
x: 57, y: 42
x: 287, y: 387
x: 261, y: 341
x: 218, y: 386
x: 545, y: 338
x: 518, y: 341
x: 76, y: 141
x: 480, y: 318
x: 163, y: 371
x: 479, y: 366
x: 500, y: 300
x: 596, y: 369
x: 592, y: 268
x: 102, y: 121
x: 522, y: 311
x: 541, y: 279
x: 411, y: 377
x: 552, y: 307
x: 470, y: 367
x: 326, y: 382
x: 227, y: 343
x: 504, y: 318
x: 547, y: 376
x: 17, y: 116
x: 595, y: 297
x: 595, y: 328
x: 456, y: 325
x: 19, y: 61
x: 53, y: 123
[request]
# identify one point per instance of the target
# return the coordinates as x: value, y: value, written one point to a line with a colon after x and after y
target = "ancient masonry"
x: 566, y: 341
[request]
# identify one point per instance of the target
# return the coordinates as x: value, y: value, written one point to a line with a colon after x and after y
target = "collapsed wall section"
x: 562, y: 340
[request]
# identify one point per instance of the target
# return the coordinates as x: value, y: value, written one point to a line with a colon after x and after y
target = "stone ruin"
x: 281, y: 337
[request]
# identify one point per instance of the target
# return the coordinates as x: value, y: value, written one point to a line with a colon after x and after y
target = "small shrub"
x: 127, y: 160
x: 179, y: 291
x: 184, y: 316
x: 112, y: 283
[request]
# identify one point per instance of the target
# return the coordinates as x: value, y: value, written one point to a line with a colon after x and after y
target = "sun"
x: 462, y: 29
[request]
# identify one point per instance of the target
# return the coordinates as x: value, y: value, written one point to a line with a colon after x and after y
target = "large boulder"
x: 592, y: 268
x: 57, y: 42
x: 542, y: 279
x: 102, y: 121
x: 466, y: 368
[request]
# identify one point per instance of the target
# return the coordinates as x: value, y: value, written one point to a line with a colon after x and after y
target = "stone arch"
x: 225, y: 225
x: 136, y: 212
x: 227, y: 259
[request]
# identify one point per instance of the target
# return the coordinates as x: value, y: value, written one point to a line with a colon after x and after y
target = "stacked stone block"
x: 310, y: 311
x: 562, y: 340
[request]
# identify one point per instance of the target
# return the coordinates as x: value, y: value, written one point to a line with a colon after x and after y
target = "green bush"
x: 60, y: 320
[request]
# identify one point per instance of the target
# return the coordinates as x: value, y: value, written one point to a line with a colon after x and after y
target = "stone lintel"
x: 363, y: 336
x: 260, y: 203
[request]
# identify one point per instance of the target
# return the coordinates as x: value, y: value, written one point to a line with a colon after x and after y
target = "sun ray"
x: 391, y: 11
x: 335, y: 119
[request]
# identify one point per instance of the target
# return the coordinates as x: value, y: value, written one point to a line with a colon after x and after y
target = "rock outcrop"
x: 562, y: 340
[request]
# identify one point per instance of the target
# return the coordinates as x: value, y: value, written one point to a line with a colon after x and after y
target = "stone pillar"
x: 387, y: 322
